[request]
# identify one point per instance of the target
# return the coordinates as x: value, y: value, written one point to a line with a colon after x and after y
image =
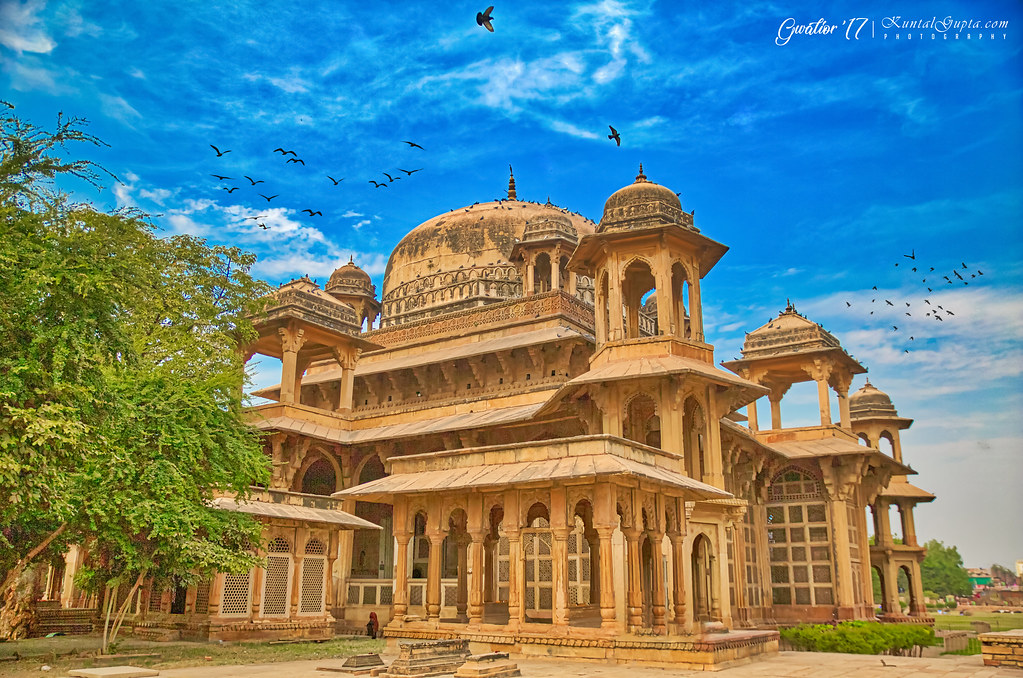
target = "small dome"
x: 870, y: 402
x: 790, y: 332
x: 350, y: 279
x: 643, y: 204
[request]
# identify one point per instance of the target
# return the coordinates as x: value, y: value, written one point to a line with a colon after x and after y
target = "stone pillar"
x: 658, y: 593
x: 662, y: 280
x: 908, y: 523
x: 298, y: 557
x: 678, y: 572
x: 891, y: 588
x: 713, y: 472
x: 400, y: 594
x: 346, y: 358
x: 635, y: 594
x: 292, y: 340
x: 476, y: 583
x: 346, y: 542
x: 615, y: 329
x: 433, y: 592
x: 824, y: 402
x: 462, y: 599
x: 696, y: 308
x: 775, y: 410
x: 555, y: 270
x: 882, y: 524
x: 917, y: 608
x: 559, y: 563
x: 527, y: 283
x: 606, y: 573
x: 845, y: 419
x: 751, y: 415
x: 843, y: 567
x: 516, y: 573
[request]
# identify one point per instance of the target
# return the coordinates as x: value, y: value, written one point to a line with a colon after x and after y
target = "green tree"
x: 120, y: 382
x: 942, y: 570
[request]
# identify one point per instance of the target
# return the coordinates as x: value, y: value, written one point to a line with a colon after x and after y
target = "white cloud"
x: 157, y: 195
x: 359, y: 225
x: 27, y: 75
x: 352, y: 213
x: 119, y: 109
x: 21, y: 29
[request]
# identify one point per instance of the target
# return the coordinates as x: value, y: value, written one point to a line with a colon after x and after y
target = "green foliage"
x: 120, y: 378
x: 859, y: 637
x: 942, y: 570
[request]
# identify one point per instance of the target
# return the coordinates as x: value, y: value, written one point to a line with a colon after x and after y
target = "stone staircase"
x: 74, y: 621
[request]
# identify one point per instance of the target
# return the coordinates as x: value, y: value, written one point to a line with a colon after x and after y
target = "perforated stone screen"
x: 311, y: 595
x: 235, y: 599
x: 202, y: 597
x: 275, y: 586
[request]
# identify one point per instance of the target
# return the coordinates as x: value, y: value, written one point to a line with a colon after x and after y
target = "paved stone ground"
x: 784, y: 665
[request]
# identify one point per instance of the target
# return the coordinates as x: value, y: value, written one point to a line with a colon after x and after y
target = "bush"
x: 859, y: 637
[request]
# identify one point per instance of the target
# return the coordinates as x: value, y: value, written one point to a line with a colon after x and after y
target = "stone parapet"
x: 1004, y: 648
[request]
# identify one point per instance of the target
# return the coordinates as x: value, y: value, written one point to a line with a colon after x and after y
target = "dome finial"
x: 640, y: 177
x: 511, y: 184
x: 351, y: 259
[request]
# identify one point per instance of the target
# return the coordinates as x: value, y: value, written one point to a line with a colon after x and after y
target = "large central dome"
x: 461, y: 259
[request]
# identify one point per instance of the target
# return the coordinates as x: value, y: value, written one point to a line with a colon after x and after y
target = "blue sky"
x: 819, y: 162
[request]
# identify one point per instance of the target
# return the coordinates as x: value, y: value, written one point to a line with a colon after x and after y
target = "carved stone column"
x: 635, y: 595
x: 400, y: 594
x: 607, y: 582
x: 477, y: 551
x: 462, y: 542
x: 658, y: 594
x: 908, y: 523
x: 292, y: 340
x: 559, y: 572
x: 678, y: 573
x: 819, y: 372
x: 433, y: 592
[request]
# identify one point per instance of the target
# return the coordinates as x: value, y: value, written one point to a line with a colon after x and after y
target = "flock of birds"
x: 294, y: 159
x: 483, y: 19
x: 929, y: 275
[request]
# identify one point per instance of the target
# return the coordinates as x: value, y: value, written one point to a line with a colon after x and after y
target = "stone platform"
x: 1004, y: 648
x: 709, y: 651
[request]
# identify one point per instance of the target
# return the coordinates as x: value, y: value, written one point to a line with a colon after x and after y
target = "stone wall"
x: 1004, y: 648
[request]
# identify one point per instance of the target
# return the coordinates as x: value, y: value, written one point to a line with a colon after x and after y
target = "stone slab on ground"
x: 113, y: 672
x: 492, y: 665
x: 428, y: 658
x: 369, y: 664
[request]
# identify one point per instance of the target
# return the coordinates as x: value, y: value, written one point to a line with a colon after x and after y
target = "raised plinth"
x: 712, y: 650
x: 432, y: 657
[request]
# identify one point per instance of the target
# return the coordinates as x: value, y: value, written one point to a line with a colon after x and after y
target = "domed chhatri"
x: 353, y: 286
x: 643, y: 204
x: 871, y: 402
x: 350, y: 279
x: 548, y: 226
x: 790, y: 332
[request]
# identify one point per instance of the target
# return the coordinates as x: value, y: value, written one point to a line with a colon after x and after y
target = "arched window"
x: 542, y: 273
x: 319, y: 478
x: 637, y: 281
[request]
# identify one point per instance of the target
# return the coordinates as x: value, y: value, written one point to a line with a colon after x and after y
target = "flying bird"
x: 894, y: 328
x: 219, y: 152
x: 229, y: 190
x: 484, y: 19
x: 296, y: 160
x: 389, y: 177
x: 376, y: 184
x: 964, y: 264
x: 411, y: 172
x: 614, y: 135
x: 956, y: 274
x: 847, y: 304
x: 219, y: 177
x: 257, y: 218
x: 268, y: 199
x: 312, y: 213
x: 263, y: 226
x: 888, y: 302
x: 938, y: 317
x: 336, y: 181
x: 874, y: 287
x: 284, y: 152
x: 253, y: 181
x: 911, y: 255
x: 413, y: 145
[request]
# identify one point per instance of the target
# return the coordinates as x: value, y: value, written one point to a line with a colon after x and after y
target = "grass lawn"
x: 999, y: 622
x: 68, y: 652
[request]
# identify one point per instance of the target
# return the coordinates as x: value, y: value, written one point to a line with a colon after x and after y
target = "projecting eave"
x: 767, y: 361
x: 741, y: 391
x: 899, y: 488
x: 836, y: 447
x: 591, y: 247
x: 305, y: 514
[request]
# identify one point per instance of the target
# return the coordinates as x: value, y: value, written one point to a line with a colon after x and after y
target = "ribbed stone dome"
x: 350, y: 279
x: 464, y: 254
x: 871, y: 402
x: 643, y: 204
